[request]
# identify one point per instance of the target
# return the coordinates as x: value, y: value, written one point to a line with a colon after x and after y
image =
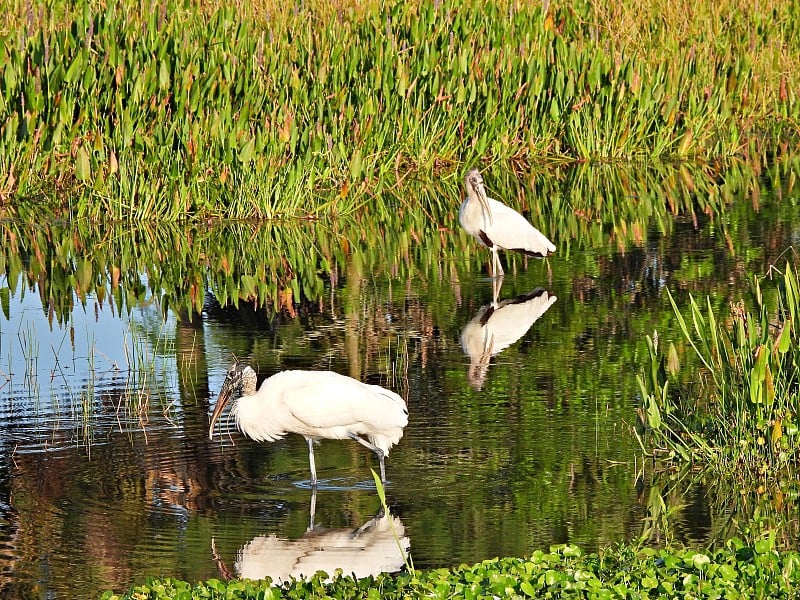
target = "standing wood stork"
x: 497, y: 226
x: 315, y: 404
x: 498, y: 325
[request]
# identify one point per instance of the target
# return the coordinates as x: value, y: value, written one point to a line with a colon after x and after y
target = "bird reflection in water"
x: 499, y: 324
x: 378, y: 546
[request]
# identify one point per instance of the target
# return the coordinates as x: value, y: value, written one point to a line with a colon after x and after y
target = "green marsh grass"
x: 735, y: 416
x: 135, y: 111
x: 29, y: 347
x: 78, y: 382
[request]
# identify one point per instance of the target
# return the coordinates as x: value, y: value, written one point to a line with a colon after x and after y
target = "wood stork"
x: 497, y: 226
x: 315, y: 404
x: 498, y: 325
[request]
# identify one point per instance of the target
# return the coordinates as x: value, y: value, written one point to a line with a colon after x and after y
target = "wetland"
x: 115, y: 341
x: 187, y: 184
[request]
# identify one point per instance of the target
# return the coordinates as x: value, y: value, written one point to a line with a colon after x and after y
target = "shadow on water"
x: 115, y: 341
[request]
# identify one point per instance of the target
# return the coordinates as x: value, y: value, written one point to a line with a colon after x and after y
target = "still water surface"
x: 108, y: 476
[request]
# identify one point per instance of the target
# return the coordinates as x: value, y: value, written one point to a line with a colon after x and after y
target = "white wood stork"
x: 497, y: 226
x: 315, y: 404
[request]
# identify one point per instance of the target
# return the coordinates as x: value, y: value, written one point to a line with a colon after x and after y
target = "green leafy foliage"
x: 743, y: 416
x: 737, y: 571
x: 734, y: 416
x: 175, y: 113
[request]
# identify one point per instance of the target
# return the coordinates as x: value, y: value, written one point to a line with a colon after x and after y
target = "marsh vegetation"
x: 181, y: 182
x: 170, y: 111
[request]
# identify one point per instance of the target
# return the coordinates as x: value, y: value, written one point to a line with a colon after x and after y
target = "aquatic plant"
x: 737, y: 571
x: 737, y: 414
x: 187, y: 111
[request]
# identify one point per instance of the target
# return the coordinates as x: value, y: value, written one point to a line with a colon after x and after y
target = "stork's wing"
x: 324, y: 399
x: 511, y: 231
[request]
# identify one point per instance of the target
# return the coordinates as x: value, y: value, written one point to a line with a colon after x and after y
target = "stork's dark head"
x: 240, y: 381
x: 477, y: 191
x: 474, y: 181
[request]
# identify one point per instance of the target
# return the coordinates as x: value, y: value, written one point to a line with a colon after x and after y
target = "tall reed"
x: 739, y: 413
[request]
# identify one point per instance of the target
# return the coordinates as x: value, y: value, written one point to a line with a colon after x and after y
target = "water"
x: 108, y: 476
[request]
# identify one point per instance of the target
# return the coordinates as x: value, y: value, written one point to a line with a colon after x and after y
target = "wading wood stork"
x: 498, y: 325
x: 497, y: 226
x: 315, y: 404
x: 379, y: 546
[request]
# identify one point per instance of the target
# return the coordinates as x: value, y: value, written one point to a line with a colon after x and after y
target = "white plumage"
x: 497, y: 226
x: 315, y: 404
x: 498, y: 325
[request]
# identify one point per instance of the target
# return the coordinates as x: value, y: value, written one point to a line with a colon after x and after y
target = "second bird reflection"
x: 499, y: 324
x: 378, y: 546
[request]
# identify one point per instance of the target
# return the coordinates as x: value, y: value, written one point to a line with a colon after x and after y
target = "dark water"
x: 108, y: 476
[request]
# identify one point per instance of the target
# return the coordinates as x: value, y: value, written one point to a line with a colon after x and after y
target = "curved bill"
x: 484, y: 200
x: 224, y: 396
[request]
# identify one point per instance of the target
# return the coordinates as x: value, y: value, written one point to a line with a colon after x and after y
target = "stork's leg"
x: 378, y: 452
x: 312, y: 510
x: 497, y: 285
x: 383, y: 467
x: 497, y: 268
x: 311, y: 462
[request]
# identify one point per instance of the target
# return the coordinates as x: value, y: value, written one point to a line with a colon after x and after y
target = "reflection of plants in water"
x: 723, y: 509
x: 602, y: 207
x: 395, y: 360
x: 662, y: 506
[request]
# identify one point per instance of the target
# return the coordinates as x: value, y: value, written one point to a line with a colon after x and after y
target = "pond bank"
x: 177, y: 113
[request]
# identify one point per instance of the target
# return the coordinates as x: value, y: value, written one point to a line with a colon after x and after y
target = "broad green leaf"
x: 246, y: 152
x: 83, y: 170
x: 355, y: 165
x: 5, y: 295
x: 769, y: 388
x: 673, y: 362
x: 74, y: 68
x: 777, y: 431
x: 163, y: 75
x: 785, y: 337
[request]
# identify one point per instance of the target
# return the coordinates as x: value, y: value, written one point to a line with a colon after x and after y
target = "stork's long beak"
x: 481, y: 193
x: 224, y: 395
